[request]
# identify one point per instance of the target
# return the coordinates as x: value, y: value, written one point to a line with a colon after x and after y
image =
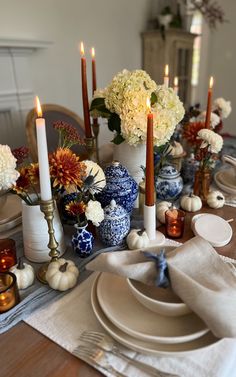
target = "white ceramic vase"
x: 35, y: 233
x: 132, y: 157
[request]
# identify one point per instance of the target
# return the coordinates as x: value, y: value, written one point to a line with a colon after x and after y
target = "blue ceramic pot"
x: 169, y: 183
x: 82, y: 241
x: 120, y: 186
x: 189, y: 167
x: 115, y: 226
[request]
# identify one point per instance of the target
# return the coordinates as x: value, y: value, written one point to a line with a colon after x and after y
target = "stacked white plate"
x: 10, y: 214
x: 226, y: 180
x: 212, y: 228
x: 135, y: 326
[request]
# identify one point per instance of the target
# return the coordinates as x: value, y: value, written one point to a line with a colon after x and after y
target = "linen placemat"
x: 64, y: 320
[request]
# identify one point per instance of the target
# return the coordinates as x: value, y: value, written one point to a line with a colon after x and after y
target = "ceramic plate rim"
x: 224, y: 188
x: 121, y: 338
x: 145, y: 337
x: 215, y: 244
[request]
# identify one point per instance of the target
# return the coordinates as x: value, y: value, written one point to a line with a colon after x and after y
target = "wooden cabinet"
x: 175, y: 48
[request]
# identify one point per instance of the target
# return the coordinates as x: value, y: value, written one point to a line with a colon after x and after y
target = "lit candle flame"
x: 166, y: 70
x: 82, y: 48
x: 176, y: 81
x: 38, y: 107
x: 211, y: 82
x: 148, y: 103
x: 93, y: 52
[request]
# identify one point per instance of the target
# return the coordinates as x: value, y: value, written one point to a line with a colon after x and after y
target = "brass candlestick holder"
x: 95, y: 128
x: 47, y: 207
x: 90, y: 147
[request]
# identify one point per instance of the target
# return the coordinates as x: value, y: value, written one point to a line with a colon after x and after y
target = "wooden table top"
x: 27, y: 353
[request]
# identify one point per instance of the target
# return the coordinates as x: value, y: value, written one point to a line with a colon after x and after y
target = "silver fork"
x: 96, y: 357
x: 105, y: 343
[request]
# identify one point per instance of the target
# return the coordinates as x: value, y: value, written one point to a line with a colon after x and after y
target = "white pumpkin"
x: 62, y: 274
x: 161, y: 208
x: 175, y: 149
x: 215, y: 199
x: 137, y: 239
x: 24, y: 274
x: 191, y: 203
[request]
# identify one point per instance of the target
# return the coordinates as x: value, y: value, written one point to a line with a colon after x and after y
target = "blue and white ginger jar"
x: 82, y: 241
x: 120, y: 186
x: 169, y: 183
x: 115, y: 226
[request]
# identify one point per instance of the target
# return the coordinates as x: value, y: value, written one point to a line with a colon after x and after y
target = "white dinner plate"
x: 133, y: 318
x: 222, y: 179
x: 10, y: 214
x: 180, y: 349
x: 213, y: 228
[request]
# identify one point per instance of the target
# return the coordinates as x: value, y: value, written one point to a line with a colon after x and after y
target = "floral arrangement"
x: 210, y: 145
x: 8, y: 171
x: 83, y: 204
x: 123, y: 103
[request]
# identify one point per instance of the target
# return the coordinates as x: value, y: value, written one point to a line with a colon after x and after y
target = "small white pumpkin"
x: 191, y: 203
x: 215, y: 199
x: 62, y: 274
x: 24, y: 274
x: 175, y: 149
x: 161, y: 208
x: 137, y: 239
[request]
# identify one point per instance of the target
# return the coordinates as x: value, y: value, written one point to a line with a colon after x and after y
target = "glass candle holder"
x: 7, y: 254
x: 9, y: 295
x: 174, y: 223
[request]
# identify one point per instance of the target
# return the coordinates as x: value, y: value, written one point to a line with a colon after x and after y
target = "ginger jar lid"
x: 114, y: 211
x: 116, y: 171
x: 168, y: 172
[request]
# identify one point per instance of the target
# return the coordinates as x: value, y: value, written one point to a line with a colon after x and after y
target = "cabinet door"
x: 154, y: 57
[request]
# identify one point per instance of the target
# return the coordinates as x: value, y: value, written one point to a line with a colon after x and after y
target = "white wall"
x: 112, y: 26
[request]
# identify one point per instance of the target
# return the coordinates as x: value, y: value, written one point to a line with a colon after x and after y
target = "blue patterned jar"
x: 82, y: 241
x: 120, y: 186
x: 169, y: 183
x: 115, y: 226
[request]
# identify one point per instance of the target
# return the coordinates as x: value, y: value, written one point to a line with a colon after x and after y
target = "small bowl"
x: 159, y: 300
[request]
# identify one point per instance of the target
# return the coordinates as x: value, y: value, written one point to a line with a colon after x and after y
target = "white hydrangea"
x: 223, y: 106
x: 94, y: 212
x: 215, y: 119
x: 96, y: 171
x: 210, y: 139
x: 8, y: 172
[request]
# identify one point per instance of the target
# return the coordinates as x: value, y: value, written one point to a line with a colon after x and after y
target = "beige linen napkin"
x: 198, y: 276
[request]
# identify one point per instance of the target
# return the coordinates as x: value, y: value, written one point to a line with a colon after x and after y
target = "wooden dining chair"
x: 53, y: 113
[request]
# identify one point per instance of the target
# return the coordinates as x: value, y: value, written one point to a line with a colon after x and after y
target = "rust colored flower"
x: 190, y: 132
x: 23, y: 183
x: 34, y: 173
x: 75, y: 208
x: 68, y: 135
x: 20, y: 154
x: 65, y: 169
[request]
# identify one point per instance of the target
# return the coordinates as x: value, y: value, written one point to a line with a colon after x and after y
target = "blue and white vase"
x: 82, y: 241
x: 120, y: 186
x: 115, y: 226
x: 169, y: 183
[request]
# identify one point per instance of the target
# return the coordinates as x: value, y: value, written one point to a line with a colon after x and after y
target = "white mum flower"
x: 94, y: 212
x: 215, y: 119
x: 99, y: 179
x: 223, y: 106
x: 211, y: 139
x: 8, y: 172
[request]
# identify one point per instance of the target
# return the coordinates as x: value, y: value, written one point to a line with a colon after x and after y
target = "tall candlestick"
x: 209, y: 101
x: 87, y: 124
x: 149, y: 195
x: 176, y: 85
x: 94, y: 78
x: 44, y: 174
x: 166, y: 76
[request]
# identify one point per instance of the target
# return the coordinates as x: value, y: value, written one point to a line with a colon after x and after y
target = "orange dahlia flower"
x: 190, y: 132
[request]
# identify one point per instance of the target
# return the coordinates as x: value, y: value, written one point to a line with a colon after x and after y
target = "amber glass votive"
x: 7, y: 254
x: 174, y: 223
x: 9, y: 295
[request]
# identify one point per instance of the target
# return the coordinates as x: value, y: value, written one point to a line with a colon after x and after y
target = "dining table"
x: 27, y: 353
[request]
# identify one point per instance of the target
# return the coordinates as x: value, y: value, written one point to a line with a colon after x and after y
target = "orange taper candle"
x: 149, y: 186
x: 94, y: 78
x: 209, y: 101
x: 87, y: 124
